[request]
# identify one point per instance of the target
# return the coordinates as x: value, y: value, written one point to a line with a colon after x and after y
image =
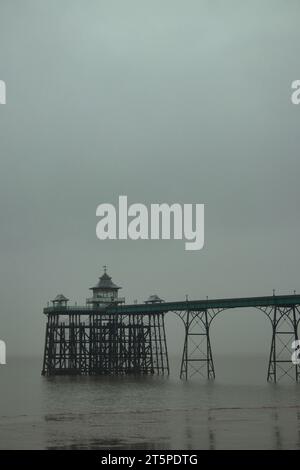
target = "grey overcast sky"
x: 163, y: 101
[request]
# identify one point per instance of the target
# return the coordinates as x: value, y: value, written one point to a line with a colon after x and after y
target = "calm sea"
x: 238, y: 410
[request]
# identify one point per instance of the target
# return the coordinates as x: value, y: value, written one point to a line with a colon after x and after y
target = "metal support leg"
x: 197, y: 355
x: 284, y: 332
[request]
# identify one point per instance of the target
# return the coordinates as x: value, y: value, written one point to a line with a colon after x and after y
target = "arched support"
x: 284, y: 321
x: 197, y: 354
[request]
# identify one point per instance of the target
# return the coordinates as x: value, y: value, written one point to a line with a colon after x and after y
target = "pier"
x: 109, y: 337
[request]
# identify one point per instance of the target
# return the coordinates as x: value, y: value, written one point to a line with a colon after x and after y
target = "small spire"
x: 105, y: 268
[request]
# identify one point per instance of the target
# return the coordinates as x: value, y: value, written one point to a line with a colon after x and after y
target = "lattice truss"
x: 106, y: 344
x: 197, y: 353
x: 284, y: 321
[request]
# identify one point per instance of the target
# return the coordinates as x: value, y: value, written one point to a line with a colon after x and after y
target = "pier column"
x: 51, y: 338
x: 159, y: 343
x: 197, y: 355
x: 284, y: 322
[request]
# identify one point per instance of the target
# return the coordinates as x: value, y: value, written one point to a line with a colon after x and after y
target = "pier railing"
x: 191, y: 305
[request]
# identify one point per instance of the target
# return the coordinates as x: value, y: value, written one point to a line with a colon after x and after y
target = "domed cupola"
x: 104, y: 292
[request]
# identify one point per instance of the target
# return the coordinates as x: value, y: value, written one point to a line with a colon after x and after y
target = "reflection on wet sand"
x: 96, y: 444
x: 209, y: 429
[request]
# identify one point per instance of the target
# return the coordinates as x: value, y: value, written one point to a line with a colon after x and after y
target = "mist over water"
x: 165, y: 102
x: 237, y: 410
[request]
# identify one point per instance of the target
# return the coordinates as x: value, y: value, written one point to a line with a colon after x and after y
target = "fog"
x: 163, y: 101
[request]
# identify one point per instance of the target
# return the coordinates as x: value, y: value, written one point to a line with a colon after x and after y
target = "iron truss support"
x: 197, y: 354
x: 105, y: 344
x: 284, y: 321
